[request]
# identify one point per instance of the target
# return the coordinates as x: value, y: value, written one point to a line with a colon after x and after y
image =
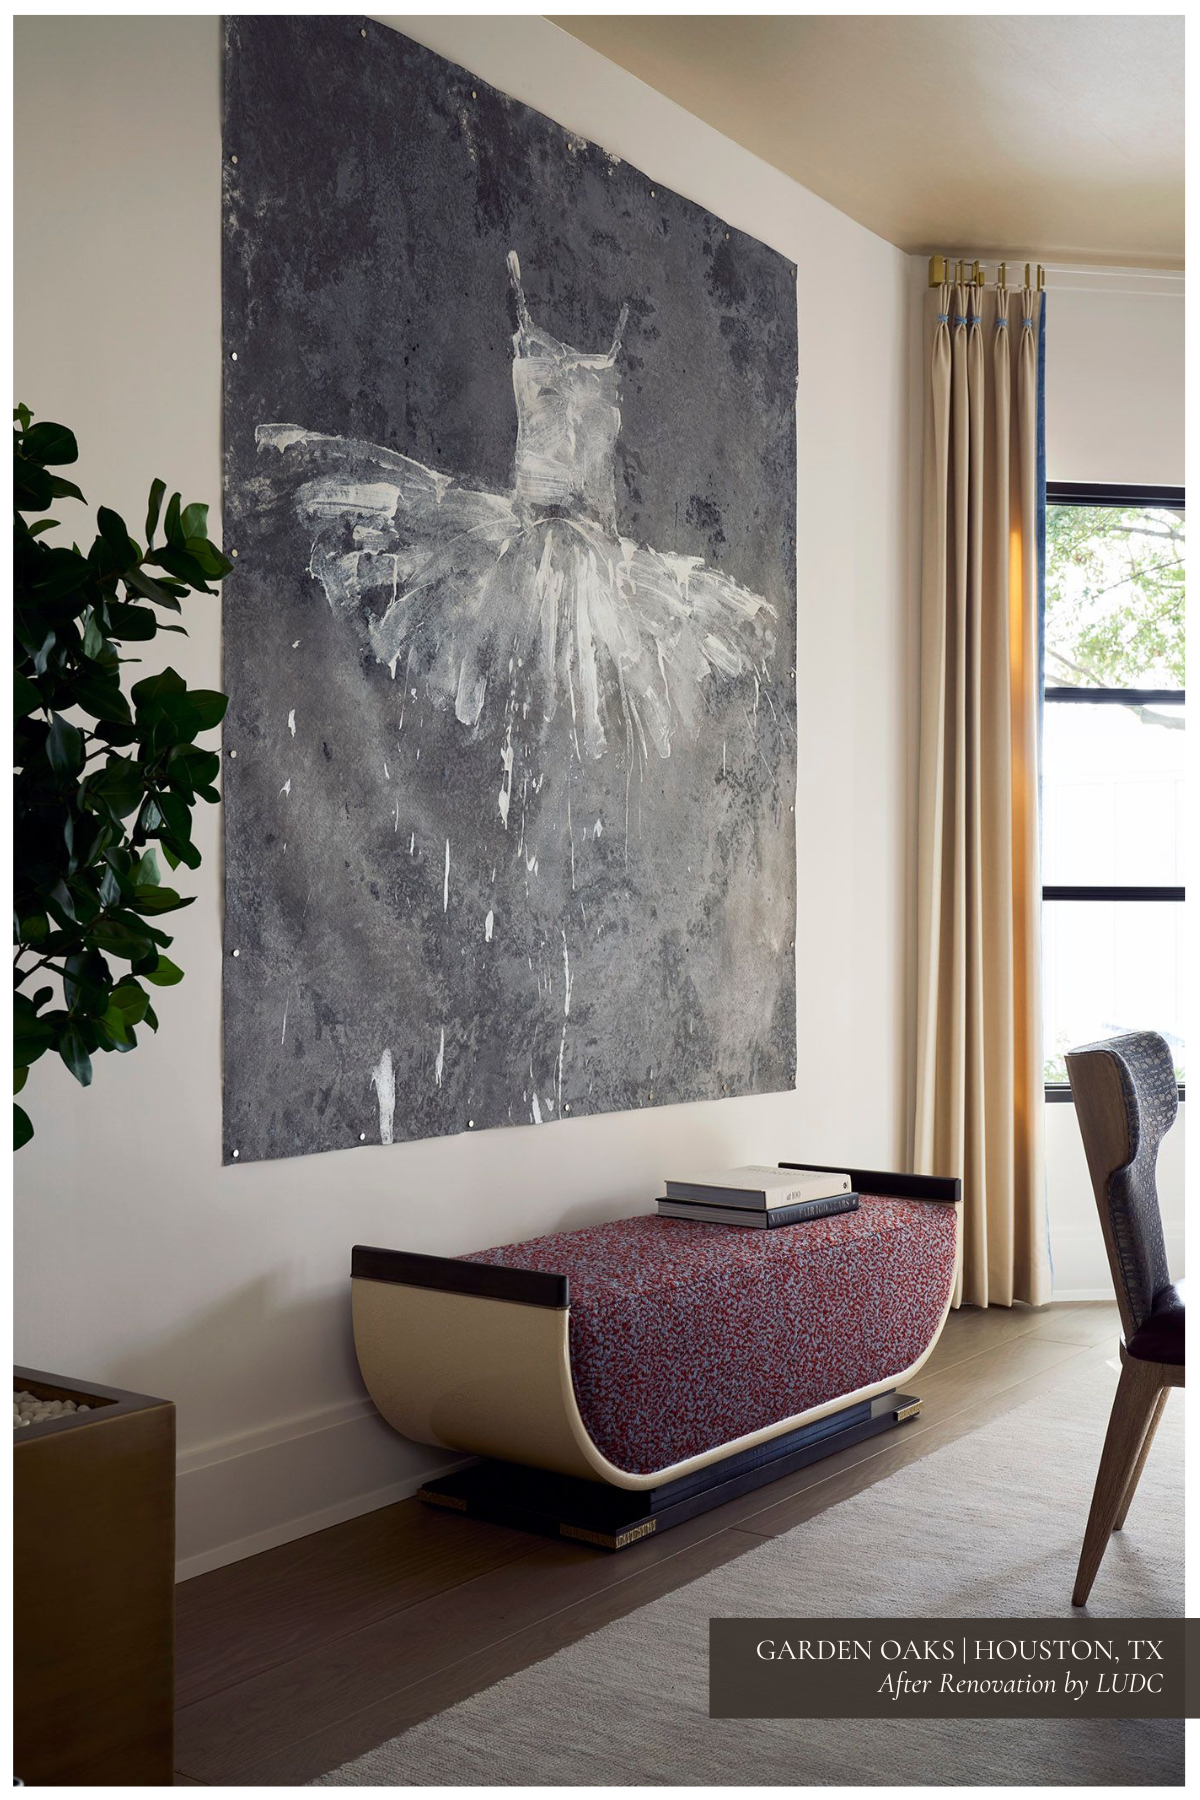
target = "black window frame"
x: 1094, y: 493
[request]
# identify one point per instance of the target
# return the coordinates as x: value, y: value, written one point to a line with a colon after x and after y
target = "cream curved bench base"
x: 476, y: 1358
x: 493, y: 1378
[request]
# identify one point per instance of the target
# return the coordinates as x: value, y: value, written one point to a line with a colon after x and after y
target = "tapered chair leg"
x: 1133, y: 1410
x: 1143, y: 1453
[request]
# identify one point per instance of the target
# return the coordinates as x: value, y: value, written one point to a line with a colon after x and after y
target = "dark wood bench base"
x: 592, y: 1512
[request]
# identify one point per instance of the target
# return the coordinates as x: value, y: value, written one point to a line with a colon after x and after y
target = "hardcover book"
x: 760, y: 1186
x: 703, y: 1212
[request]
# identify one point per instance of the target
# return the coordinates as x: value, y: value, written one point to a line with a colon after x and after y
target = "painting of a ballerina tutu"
x: 510, y: 833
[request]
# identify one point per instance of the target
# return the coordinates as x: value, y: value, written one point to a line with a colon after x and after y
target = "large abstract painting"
x: 510, y: 641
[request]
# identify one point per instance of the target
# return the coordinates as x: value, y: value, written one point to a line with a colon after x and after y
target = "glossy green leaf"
x: 151, y: 900
x: 156, y: 688
x: 116, y: 938
x: 146, y: 871
x: 61, y: 489
x: 33, y: 489
x: 22, y: 1127
x: 116, y: 535
x: 72, y: 1047
x: 131, y: 624
x: 31, y: 1036
x: 26, y: 698
x: 53, y: 444
x: 132, y: 1000
x: 60, y: 572
x: 154, y: 507
x: 149, y: 589
x: 118, y: 788
x: 93, y: 637
x: 165, y: 973
x: 208, y: 705
x: 64, y: 747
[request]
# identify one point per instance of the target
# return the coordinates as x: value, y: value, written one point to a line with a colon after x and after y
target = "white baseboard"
x: 250, y: 1492
x: 1081, y: 1266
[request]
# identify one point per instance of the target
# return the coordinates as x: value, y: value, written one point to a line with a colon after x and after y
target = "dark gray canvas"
x: 510, y: 640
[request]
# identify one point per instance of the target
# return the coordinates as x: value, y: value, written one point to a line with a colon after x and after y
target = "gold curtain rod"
x: 944, y: 268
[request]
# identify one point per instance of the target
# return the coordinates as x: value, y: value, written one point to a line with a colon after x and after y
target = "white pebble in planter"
x: 30, y: 1409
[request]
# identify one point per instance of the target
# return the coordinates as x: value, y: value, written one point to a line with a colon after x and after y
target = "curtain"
x: 978, y: 1102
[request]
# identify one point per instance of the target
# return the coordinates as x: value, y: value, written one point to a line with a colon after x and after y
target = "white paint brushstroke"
x: 540, y: 574
x: 292, y: 717
x: 537, y: 1113
x: 488, y: 924
x: 383, y: 1079
x: 446, y: 881
x: 440, y: 1061
x: 286, y: 789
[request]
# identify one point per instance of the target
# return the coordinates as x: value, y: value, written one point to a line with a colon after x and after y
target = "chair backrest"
x: 1126, y: 1097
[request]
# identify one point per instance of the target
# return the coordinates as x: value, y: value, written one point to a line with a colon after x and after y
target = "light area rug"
x: 990, y: 1525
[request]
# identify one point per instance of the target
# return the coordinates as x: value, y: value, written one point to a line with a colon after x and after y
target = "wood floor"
x: 291, y: 1662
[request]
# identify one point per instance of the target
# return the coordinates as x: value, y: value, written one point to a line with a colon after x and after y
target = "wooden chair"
x: 1126, y: 1097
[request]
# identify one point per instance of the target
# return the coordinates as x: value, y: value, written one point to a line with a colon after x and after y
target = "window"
x: 1112, y: 769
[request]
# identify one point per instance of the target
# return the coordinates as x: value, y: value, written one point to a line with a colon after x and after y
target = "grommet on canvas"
x: 567, y: 1107
x: 233, y: 159
x: 363, y: 32
x: 237, y: 953
x: 236, y: 1154
x: 233, y: 753
x: 470, y: 1124
x: 474, y: 95
x: 233, y: 356
x: 362, y: 1137
x: 233, y: 553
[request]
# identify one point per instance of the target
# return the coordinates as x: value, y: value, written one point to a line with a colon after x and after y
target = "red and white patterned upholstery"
x: 685, y: 1337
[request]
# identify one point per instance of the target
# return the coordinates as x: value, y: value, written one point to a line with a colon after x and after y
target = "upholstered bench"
x: 651, y: 1366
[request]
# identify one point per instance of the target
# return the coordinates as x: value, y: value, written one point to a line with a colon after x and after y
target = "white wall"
x: 1114, y: 412
x: 1114, y: 376
x: 140, y: 1260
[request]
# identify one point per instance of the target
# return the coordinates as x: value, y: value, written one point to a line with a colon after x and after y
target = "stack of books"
x: 761, y: 1197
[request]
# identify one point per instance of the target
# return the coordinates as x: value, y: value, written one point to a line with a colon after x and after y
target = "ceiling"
x: 1059, y: 138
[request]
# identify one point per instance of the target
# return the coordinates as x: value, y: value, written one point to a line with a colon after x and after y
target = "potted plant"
x: 106, y: 781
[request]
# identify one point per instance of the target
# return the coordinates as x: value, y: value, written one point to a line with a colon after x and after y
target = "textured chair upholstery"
x: 1126, y: 1100
x: 1146, y: 1070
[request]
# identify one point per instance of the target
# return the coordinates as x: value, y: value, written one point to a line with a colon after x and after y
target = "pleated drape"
x: 979, y: 1101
